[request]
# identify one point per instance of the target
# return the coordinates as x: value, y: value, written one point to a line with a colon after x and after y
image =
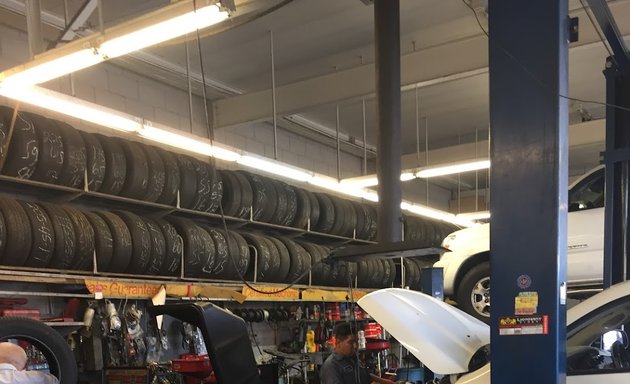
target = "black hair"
x: 344, y: 330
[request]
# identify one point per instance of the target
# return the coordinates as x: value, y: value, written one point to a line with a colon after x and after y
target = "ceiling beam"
x: 434, y: 65
x: 416, y: 67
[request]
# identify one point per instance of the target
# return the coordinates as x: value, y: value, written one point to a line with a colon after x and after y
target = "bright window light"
x: 482, y: 215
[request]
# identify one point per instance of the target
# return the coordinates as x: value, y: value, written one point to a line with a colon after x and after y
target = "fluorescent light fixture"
x: 361, y: 181
x: 275, y: 167
x: 371, y: 180
x: 481, y: 215
x: 72, y: 106
x: 437, y: 214
x: 406, y: 176
x: 147, y: 30
x: 453, y: 168
x: 189, y: 143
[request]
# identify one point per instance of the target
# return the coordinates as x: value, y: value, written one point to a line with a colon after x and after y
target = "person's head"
x: 346, y: 339
x: 13, y: 354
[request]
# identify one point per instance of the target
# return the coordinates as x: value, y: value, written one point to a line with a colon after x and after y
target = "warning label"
x: 523, y: 325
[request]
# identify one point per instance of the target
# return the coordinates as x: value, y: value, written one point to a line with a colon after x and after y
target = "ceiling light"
x: 275, y: 167
x: 481, y: 215
x: 453, y: 168
x: 437, y: 214
x: 72, y: 106
x: 188, y: 143
x: 150, y: 29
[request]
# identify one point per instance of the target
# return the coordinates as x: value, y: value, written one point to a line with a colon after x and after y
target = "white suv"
x: 467, y: 266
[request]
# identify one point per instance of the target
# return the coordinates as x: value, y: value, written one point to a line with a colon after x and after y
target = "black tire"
x: 223, y: 267
x: 239, y: 254
x: 42, y: 235
x: 285, y: 259
x: 187, y: 181
x: 65, y: 240
x: 372, y: 217
x: 317, y: 270
x: 75, y: 156
x: 270, y: 201
x: 473, y: 292
x: 140, y: 241
x: 103, y: 241
x: 315, y: 210
x: 273, y: 273
x: 18, y: 236
x: 172, y: 181
x: 158, y: 247
x: 48, y: 341
x: 51, y: 152
x: 96, y: 163
x: 279, y: 216
x: 199, y: 248
x: 84, y: 235
x: 303, y: 209
x: 247, y: 195
x: 259, y: 193
x: 174, y: 249
x: 393, y: 272
x: 259, y: 256
x: 231, y: 200
x: 6, y: 114
x: 157, y: 174
x: 23, y: 152
x: 137, y: 178
x: 202, y: 201
x: 216, y: 193
x: 3, y: 234
x: 339, y: 222
x: 326, y: 213
x: 387, y: 274
x: 121, y: 237
x: 115, y: 165
x: 298, y: 260
x: 362, y: 224
x: 292, y: 204
x: 363, y: 271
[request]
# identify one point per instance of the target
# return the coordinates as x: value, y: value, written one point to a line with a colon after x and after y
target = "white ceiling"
x: 314, y: 38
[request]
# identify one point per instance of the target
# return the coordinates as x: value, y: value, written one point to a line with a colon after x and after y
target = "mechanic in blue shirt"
x: 342, y: 366
x: 12, y: 367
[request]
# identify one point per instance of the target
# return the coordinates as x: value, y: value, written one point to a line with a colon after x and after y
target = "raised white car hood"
x: 442, y: 337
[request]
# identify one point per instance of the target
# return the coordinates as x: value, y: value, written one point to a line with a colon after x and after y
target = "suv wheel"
x: 473, y: 293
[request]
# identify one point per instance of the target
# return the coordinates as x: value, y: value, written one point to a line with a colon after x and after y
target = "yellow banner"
x: 122, y: 289
x: 330, y: 295
x: 102, y: 288
x: 288, y: 294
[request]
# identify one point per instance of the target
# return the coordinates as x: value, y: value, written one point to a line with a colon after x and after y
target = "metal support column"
x: 387, y: 46
x: 616, y: 158
x: 528, y: 51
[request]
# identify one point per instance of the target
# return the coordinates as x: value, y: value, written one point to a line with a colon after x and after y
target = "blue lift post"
x: 617, y: 154
x: 528, y: 49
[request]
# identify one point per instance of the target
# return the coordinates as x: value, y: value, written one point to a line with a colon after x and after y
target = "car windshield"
x: 588, y: 193
x: 599, y: 341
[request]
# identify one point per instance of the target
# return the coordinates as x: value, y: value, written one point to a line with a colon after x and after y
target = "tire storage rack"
x: 85, y: 203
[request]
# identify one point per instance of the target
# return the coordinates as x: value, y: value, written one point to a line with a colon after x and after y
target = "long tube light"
x: 453, y: 168
x: 426, y: 172
x: 150, y: 29
x: 103, y: 116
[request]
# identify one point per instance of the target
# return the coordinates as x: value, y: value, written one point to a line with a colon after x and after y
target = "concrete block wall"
x: 113, y: 86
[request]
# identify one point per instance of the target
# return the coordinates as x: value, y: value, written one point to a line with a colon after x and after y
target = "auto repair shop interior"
x: 301, y: 191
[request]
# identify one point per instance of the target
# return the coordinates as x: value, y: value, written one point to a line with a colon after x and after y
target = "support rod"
x: 387, y: 53
x: 34, y: 27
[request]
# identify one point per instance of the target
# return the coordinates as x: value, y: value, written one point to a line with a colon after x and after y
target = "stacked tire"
x: 51, y: 151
